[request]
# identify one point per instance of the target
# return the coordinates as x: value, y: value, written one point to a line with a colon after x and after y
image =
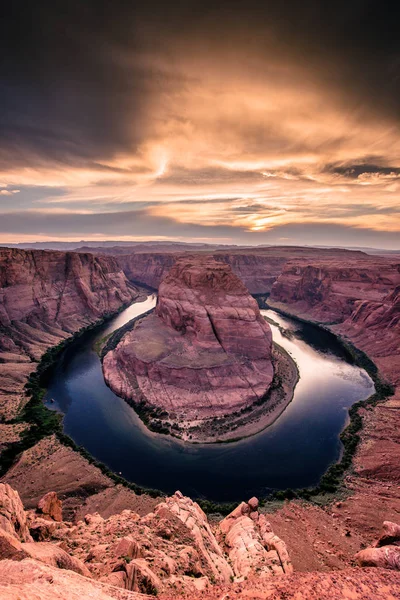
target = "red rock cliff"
x: 327, y: 290
x: 258, y: 268
x: 45, y: 296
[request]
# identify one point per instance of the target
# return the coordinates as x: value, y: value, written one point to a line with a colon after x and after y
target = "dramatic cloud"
x: 229, y: 121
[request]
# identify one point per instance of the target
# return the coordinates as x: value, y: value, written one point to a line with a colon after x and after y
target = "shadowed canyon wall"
x: 45, y: 296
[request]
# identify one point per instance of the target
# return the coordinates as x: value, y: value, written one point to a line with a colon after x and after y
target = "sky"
x: 257, y: 122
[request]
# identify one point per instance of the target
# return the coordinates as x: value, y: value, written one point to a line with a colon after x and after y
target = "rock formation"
x: 45, y: 297
x: 174, y: 551
x: 204, y: 353
x: 50, y: 506
x: 328, y: 290
x: 172, y: 548
x: 386, y: 551
x: 251, y: 545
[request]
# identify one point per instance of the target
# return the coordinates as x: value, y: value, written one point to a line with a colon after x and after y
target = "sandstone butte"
x: 354, y: 294
x: 204, y: 353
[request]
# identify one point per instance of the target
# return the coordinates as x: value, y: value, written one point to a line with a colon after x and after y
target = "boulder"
x: 54, y: 556
x: 12, y: 514
x: 50, y: 506
x: 387, y: 557
x: 390, y: 534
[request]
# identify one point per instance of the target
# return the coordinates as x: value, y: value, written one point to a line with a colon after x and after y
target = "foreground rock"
x: 173, y: 548
x: 251, y: 545
x: 204, y: 353
x: 31, y: 580
x: 386, y: 551
x: 171, y: 552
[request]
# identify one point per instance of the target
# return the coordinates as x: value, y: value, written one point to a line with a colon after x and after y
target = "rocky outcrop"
x: 12, y: 514
x: 50, y: 506
x: 172, y: 548
x: 16, y: 542
x: 32, y: 580
x: 251, y: 545
x: 44, y: 298
x: 203, y: 354
x: 175, y: 551
x: 386, y: 551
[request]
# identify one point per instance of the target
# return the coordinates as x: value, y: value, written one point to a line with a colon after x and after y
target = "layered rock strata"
x: 45, y: 297
x: 203, y: 354
x: 258, y: 268
x: 361, y: 302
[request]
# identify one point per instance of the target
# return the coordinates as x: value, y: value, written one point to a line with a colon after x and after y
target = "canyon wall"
x: 327, y: 290
x: 45, y: 296
x: 257, y: 267
x: 362, y: 304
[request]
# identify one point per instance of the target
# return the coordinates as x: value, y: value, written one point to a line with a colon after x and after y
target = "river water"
x: 293, y: 452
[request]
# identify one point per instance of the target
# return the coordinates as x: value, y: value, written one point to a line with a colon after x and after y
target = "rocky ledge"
x: 201, y: 362
x: 172, y: 552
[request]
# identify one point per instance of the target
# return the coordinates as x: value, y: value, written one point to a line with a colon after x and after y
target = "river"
x: 293, y: 452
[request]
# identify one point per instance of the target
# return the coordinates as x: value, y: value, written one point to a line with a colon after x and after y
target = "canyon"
x: 47, y: 295
x: 258, y: 267
x: 203, y: 358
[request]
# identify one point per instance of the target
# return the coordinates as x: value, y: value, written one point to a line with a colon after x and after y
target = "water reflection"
x: 294, y: 452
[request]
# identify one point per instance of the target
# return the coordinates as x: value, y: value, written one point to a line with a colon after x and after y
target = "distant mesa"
x: 204, y: 354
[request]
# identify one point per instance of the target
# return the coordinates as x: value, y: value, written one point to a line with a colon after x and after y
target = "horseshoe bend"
x: 202, y: 366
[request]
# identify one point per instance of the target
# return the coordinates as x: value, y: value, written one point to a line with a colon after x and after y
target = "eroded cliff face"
x: 258, y: 268
x: 204, y: 353
x: 257, y: 271
x: 360, y: 301
x: 44, y: 297
x: 328, y: 290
